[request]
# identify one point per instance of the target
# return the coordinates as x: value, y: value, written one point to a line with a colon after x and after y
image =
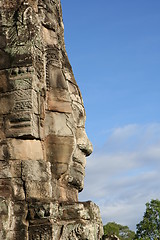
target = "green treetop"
x: 149, y: 227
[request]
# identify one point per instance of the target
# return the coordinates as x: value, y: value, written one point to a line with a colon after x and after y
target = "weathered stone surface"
x: 10, y: 169
x: 58, y: 101
x: 5, y: 188
x: 43, y: 143
x: 65, y: 221
x: 58, y: 124
x: 18, y: 149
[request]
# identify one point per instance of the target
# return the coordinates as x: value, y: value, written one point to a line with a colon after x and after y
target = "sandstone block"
x: 58, y: 124
x: 59, y: 149
x: 38, y: 190
x: 20, y: 100
x: 20, y: 208
x: 56, y: 78
x: 3, y: 207
x: 18, y: 189
x: 74, y: 211
x: 4, y: 81
x: 58, y: 100
x: 24, y: 149
x: 36, y: 170
x: 49, y: 37
x: 5, y: 188
x: 6, y: 103
x: 10, y: 169
x: 14, y: 235
x: 5, y: 61
x: 60, y: 192
x: 2, y: 133
x: 9, y: 4
x: 17, y: 223
x: 22, y: 124
x: 40, y: 232
x: 40, y: 210
x: 4, y: 153
x: 59, y: 106
x: 80, y: 230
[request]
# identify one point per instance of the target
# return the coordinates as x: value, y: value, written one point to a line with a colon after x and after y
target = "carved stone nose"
x: 87, y: 148
x: 83, y: 142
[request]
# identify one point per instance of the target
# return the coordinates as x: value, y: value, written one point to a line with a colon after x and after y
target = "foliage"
x: 123, y: 232
x: 149, y: 227
x: 111, y: 228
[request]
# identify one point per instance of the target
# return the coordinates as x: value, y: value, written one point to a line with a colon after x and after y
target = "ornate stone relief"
x: 43, y: 144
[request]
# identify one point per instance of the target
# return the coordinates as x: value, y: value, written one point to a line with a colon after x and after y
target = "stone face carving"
x: 43, y: 144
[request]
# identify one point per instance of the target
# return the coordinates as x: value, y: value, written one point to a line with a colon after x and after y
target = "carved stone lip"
x: 80, y: 160
x: 78, y: 165
x: 78, y: 171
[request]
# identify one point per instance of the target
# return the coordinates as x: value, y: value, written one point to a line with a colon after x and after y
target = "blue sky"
x: 114, y: 49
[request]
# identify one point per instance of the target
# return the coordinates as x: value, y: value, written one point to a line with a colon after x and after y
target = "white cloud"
x: 124, y: 174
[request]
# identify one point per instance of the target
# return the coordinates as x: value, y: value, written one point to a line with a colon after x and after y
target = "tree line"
x: 147, y: 229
